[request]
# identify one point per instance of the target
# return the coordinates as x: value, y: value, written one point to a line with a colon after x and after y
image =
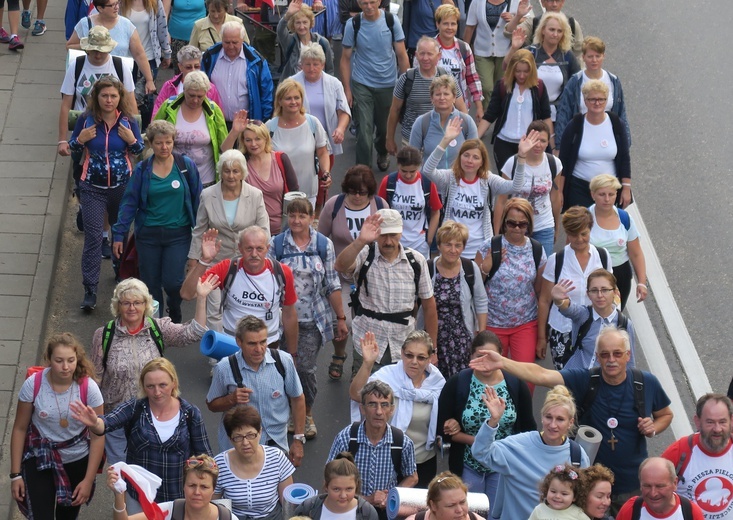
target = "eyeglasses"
x: 605, y: 291
x: 362, y: 193
x: 373, y: 406
x: 112, y: 6
x: 237, y: 439
x: 410, y: 357
x: 132, y: 304
x: 596, y: 101
x: 617, y: 354
x: 193, y: 462
x: 255, y: 122
x: 520, y: 225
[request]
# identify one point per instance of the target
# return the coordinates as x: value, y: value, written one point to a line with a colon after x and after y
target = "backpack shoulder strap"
x: 463, y: 388
x: 137, y: 411
x: 281, y: 165
x: 389, y: 18
x: 180, y: 163
x: 468, y: 274
x: 234, y: 366
x: 463, y: 48
x: 559, y: 260
x: 84, y: 389
x: 684, y: 460
x: 356, y: 23
x: 398, y: 439
x: 277, y: 270
x: 622, y: 321
x: 157, y: 335
x: 228, y: 281
x: 392, y: 186
x: 495, y: 256
x: 361, y: 280
x: 224, y: 512
x: 624, y: 217
x: 322, y: 246
x: 416, y: 270
x: 179, y: 509
x: 552, y: 164
x: 339, y: 200
x: 639, y: 398
x: 409, y: 80
x: 37, y: 380
x: 584, y: 328
x: 427, y: 188
x: 107, y: 334
x: 636, y: 509
x: 590, y: 395
x: 311, y: 123
x: 78, y: 67
x: 575, y: 453
x: 279, y: 243
x: 278, y: 362
x: 536, y: 253
x: 353, y: 442
x: 686, y: 507
x: 571, y: 21
x: 431, y: 267
x: 117, y: 63
x: 379, y: 201
x: 604, y: 257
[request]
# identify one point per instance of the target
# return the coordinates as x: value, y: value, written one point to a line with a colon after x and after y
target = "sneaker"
x: 39, y: 28
x: 106, y: 248
x: 15, y: 44
x: 25, y: 19
x: 90, y: 299
x: 383, y: 163
x: 4, y: 36
x: 310, y: 428
x: 79, y: 221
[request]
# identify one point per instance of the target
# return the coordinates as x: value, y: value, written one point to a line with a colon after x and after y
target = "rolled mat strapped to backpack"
x: 217, y: 345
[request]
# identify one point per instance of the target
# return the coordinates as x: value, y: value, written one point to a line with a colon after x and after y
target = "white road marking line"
x: 697, y: 379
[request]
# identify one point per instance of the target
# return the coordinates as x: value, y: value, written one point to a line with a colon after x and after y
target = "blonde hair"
x: 446, y: 11
x: 594, y: 85
x: 163, y: 365
x: 196, y: 80
x: 567, y: 34
x: 131, y: 287
x: 84, y: 366
x: 521, y: 56
x: 561, y: 396
x: 260, y: 130
x: 306, y: 12
x: 444, y: 481
x: 451, y: 230
x: 604, y: 180
x: 283, y: 89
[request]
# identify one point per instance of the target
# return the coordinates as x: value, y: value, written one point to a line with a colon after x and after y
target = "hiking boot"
x: 4, y: 36
x: 90, y: 298
x: 25, y: 19
x: 39, y: 28
x: 106, y: 248
x: 383, y: 163
x: 310, y: 428
x: 15, y: 44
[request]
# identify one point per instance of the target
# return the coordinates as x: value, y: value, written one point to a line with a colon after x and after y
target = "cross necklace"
x: 612, y: 421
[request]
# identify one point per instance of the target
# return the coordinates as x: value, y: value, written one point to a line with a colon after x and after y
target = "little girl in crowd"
x: 558, y: 492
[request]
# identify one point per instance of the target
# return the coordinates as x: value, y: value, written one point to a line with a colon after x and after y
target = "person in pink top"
x: 189, y: 59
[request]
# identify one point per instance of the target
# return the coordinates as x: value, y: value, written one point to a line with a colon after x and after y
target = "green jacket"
x: 214, y: 121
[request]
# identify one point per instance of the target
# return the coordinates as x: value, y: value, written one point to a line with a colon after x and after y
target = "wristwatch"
x: 299, y: 437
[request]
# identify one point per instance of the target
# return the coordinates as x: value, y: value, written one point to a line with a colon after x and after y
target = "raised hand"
x: 518, y: 38
x: 527, y: 142
x: 210, y: 245
x: 294, y: 7
x: 83, y: 413
x: 209, y: 284
x: 524, y: 8
x: 452, y: 130
x: 239, y: 123
x: 369, y: 348
x: 370, y: 230
x: 495, y: 404
x: 561, y: 289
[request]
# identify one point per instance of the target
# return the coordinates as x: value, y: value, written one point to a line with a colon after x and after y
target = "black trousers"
x: 41, y: 489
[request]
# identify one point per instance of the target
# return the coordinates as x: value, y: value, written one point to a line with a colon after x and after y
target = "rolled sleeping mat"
x: 404, y: 502
x: 590, y: 439
x: 294, y: 495
x: 218, y: 345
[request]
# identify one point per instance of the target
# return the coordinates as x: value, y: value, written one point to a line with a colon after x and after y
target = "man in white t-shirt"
x: 704, y: 460
x: 658, y: 501
x: 260, y: 287
x: 97, y: 64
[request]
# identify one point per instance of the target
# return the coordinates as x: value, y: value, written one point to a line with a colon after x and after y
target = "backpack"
x: 79, y: 66
x: 426, y: 190
x: 356, y: 23
x: 496, y: 255
x: 425, y: 124
x: 312, y: 124
x: 407, y: 87
x: 622, y: 323
x: 138, y: 411
x: 277, y: 270
x: 109, y: 332
x: 395, y: 451
x: 83, y: 386
x: 291, y: 48
x: 321, y: 246
x: 595, y: 383
x: 685, y: 505
x: 178, y: 512
x: 361, y: 280
x: 553, y: 168
x: 279, y: 160
x: 560, y: 259
x: 681, y: 466
x: 468, y: 273
x: 379, y: 201
x: 234, y: 366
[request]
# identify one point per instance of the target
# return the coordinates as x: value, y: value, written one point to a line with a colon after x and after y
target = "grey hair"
x: 160, y: 127
x: 134, y: 288
x: 428, y: 39
x: 253, y: 229
x: 313, y: 51
x: 229, y: 159
x: 233, y: 26
x: 605, y: 331
x: 419, y: 336
x: 196, y: 80
x: 189, y: 53
x: 378, y: 388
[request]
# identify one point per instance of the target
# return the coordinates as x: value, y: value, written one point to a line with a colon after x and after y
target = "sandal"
x: 336, y: 370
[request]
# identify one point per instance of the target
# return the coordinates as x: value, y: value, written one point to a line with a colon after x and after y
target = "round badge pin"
x: 176, y: 184
x: 453, y: 143
x: 612, y: 422
x: 604, y: 143
x: 520, y: 99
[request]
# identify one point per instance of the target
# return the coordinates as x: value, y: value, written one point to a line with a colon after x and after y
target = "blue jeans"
x: 546, y: 237
x: 486, y: 483
x: 162, y: 254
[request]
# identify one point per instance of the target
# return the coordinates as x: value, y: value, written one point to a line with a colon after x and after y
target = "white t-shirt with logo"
x: 256, y: 295
x: 409, y: 200
x: 355, y: 219
x: 89, y: 76
x: 536, y: 189
x: 708, y: 481
x: 468, y: 208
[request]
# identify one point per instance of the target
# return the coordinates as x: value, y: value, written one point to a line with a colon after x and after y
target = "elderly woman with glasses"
x: 417, y: 385
x: 162, y: 429
x: 200, y: 125
x: 253, y: 476
x: 189, y: 59
x: 121, y: 348
x: 200, y: 475
x: 341, y: 219
x: 294, y: 33
x: 207, y: 31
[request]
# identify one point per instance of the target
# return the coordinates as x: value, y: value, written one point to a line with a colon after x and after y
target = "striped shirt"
x: 375, y: 462
x: 418, y: 102
x: 271, y: 394
x: 255, y: 497
x: 230, y: 77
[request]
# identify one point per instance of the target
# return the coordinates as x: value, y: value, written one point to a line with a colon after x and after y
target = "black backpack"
x: 356, y: 21
x: 409, y: 82
x: 685, y: 505
x: 468, y: 273
x: 379, y: 201
x: 234, y: 366
x: 496, y: 254
x: 560, y: 260
x: 426, y: 189
x: 179, y: 510
x: 79, y: 66
x: 595, y: 383
x: 398, y: 439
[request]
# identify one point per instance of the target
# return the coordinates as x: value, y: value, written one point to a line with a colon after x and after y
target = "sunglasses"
x: 519, y: 225
x: 194, y: 463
